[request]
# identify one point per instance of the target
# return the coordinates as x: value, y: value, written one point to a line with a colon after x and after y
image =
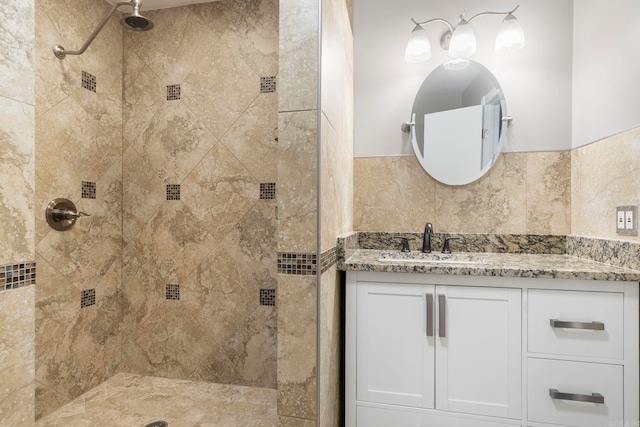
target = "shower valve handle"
x: 68, y: 214
x: 61, y: 214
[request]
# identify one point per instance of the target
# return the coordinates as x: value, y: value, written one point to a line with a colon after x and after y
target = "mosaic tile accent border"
x: 267, y: 190
x: 87, y: 298
x: 267, y: 84
x: 14, y: 276
x: 89, y: 81
x: 173, y: 191
x: 173, y: 92
x: 268, y: 297
x: 305, y: 264
x: 297, y: 263
x: 172, y: 292
x: 88, y: 190
x: 328, y: 259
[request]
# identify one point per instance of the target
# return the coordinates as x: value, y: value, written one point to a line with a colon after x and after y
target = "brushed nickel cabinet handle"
x: 429, y: 315
x: 595, y: 326
x: 442, y: 316
x: 589, y: 398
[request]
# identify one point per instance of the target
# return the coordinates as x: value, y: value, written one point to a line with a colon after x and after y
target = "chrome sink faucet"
x: 426, y: 238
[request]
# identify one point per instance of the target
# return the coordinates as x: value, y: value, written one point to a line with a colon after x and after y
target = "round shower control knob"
x: 61, y: 214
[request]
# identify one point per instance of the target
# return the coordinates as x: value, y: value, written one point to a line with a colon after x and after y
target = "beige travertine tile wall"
x: 218, y: 241
x: 17, y: 371
x: 336, y: 191
x: 297, y: 209
x: 78, y: 138
x: 604, y: 175
x: 522, y: 193
x: 17, y: 189
x: 17, y: 132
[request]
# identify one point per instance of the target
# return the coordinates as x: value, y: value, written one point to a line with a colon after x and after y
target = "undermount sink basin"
x: 432, y: 258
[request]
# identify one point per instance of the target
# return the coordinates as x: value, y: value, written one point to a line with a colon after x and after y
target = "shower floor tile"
x: 127, y: 400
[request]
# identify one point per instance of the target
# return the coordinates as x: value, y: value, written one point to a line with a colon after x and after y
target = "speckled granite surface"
x: 548, y: 257
x: 542, y: 266
x: 499, y: 243
x: 614, y: 252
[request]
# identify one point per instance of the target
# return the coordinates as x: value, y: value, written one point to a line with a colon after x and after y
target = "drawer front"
x: 576, y: 323
x: 378, y: 417
x: 573, y: 385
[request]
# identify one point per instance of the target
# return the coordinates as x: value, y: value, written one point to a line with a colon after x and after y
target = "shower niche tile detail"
x: 173, y: 92
x: 173, y: 191
x: 87, y: 298
x: 268, y: 297
x: 88, y: 190
x: 14, y: 276
x: 267, y: 84
x: 267, y: 190
x: 172, y: 292
x: 89, y: 81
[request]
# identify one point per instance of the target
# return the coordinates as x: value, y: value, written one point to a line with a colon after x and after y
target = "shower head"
x: 135, y: 22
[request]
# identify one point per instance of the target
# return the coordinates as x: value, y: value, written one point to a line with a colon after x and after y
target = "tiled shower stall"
x: 167, y: 143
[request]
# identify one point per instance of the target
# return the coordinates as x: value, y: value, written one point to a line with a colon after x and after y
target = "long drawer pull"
x: 442, y: 316
x: 429, y: 315
x: 590, y: 398
x: 595, y: 326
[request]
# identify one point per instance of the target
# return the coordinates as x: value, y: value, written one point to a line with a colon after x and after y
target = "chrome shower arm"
x: 60, y: 52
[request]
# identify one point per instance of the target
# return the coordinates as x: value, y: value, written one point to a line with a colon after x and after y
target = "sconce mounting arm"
x: 444, y: 21
x: 493, y: 13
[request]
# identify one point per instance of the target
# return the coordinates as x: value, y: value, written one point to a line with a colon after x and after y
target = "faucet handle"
x: 445, y: 247
x: 405, y: 243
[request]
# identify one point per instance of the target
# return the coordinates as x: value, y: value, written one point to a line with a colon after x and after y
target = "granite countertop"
x: 545, y: 266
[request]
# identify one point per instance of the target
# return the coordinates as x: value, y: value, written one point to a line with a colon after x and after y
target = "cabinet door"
x: 478, y: 351
x: 394, y: 356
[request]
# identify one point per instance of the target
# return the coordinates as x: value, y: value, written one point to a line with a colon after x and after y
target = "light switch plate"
x: 627, y: 220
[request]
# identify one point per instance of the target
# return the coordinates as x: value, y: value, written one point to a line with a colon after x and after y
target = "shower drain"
x: 157, y: 424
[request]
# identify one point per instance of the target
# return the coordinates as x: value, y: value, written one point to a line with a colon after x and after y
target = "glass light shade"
x: 418, y: 47
x: 510, y: 36
x: 463, y: 41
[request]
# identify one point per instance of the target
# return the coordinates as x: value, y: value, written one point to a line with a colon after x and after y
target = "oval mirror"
x: 458, y: 128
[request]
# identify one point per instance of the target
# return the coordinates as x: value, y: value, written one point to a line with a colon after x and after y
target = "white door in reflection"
x: 453, y: 143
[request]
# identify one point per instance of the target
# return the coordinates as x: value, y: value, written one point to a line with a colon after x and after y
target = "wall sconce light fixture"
x: 460, y: 41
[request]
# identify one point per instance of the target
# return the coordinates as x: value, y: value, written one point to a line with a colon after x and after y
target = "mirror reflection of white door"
x: 453, y: 143
x: 491, y: 131
x: 490, y: 127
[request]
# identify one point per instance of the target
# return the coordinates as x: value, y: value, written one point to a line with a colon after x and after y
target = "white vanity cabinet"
x: 444, y: 350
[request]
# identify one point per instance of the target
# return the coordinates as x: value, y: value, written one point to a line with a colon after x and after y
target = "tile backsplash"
x: 524, y: 193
